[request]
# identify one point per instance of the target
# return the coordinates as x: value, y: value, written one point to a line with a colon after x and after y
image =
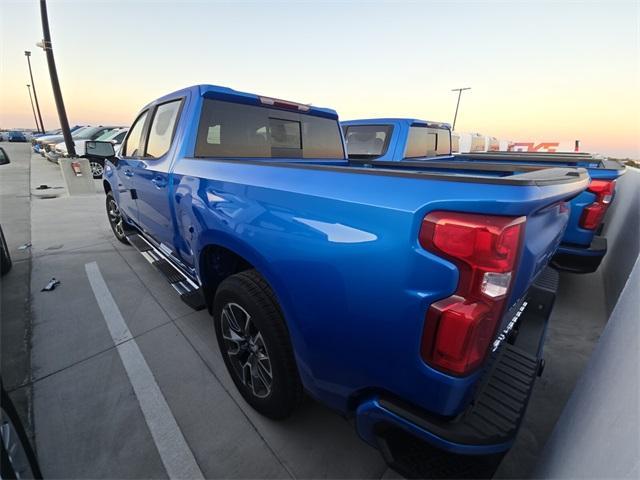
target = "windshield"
x: 86, y: 133
x: 78, y: 132
x: 106, y: 135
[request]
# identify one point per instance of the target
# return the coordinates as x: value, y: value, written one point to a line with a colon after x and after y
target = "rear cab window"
x: 367, y: 141
x: 228, y: 129
x: 427, y: 141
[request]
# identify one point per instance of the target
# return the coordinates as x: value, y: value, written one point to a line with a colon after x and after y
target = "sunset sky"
x: 546, y: 70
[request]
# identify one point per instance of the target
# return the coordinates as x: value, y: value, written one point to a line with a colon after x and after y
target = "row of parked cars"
x: 360, y: 262
x: 52, y: 145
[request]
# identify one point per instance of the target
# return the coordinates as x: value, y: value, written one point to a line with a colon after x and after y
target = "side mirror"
x: 100, y: 149
x: 4, y: 158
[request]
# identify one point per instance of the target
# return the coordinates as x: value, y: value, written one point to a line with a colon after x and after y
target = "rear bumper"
x: 577, y: 259
x: 490, y: 423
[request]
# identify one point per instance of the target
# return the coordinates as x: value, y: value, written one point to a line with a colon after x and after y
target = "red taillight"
x: 593, y: 214
x: 459, y: 329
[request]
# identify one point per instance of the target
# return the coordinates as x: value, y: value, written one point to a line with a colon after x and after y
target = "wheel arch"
x: 216, y: 263
x: 220, y: 250
x: 221, y: 255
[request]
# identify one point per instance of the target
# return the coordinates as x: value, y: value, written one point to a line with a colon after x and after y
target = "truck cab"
x: 387, y: 139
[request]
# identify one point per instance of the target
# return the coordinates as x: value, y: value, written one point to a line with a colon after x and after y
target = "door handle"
x: 128, y: 173
x: 159, y: 182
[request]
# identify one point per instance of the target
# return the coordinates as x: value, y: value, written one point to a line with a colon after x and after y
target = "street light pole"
x: 459, y: 90
x: 35, y: 95
x: 55, y: 84
x: 32, y: 108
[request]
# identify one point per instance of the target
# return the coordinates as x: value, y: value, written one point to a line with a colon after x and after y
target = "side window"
x: 421, y: 143
x: 443, y: 146
x: 132, y: 143
x: 161, y: 132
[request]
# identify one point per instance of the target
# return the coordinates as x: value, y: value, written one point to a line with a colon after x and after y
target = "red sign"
x: 533, y: 147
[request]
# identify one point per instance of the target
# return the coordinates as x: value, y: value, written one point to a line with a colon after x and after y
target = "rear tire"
x: 118, y: 226
x: 255, y: 344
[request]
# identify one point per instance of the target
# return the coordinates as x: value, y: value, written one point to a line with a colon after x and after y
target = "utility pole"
x: 459, y: 90
x: 32, y: 108
x: 55, y: 84
x: 35, y: 95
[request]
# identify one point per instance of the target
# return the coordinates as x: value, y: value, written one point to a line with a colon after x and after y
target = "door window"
x: 162, y: 127
x: 132, y: 143
x: 421, y: 143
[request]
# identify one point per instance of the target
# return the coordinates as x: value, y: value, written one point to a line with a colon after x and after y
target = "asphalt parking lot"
x: 63, y: 367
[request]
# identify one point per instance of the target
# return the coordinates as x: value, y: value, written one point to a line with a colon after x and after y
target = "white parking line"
x: 174, y: 451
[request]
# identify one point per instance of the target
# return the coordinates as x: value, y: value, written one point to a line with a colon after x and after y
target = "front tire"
x: 118, y: 226
x: 255, y: 345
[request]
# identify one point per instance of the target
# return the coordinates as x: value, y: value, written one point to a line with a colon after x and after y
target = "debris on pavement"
x: 53, y: 283
x: 24, y: 246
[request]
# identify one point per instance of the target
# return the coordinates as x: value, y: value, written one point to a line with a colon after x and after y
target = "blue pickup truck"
x: 394, y: 139
x: 414, y: 301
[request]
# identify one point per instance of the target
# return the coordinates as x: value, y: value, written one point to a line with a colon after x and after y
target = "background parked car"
x: 88, y: 133
x: 115, y: 136
x: 17, y: 136
x: 39, y: 140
